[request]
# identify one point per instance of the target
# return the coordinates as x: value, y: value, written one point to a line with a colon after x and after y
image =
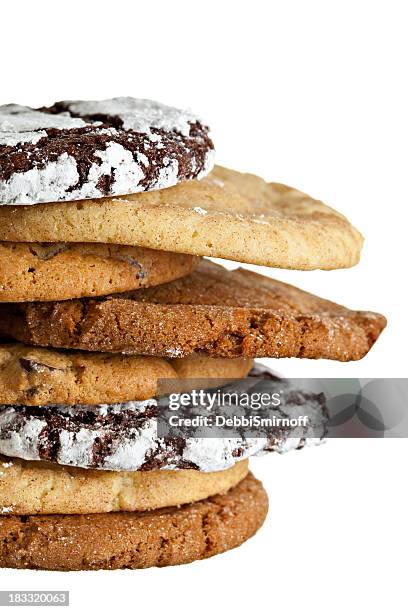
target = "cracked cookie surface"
x: 218, y: 312
x: 90, y: 149
x: 127, y: 436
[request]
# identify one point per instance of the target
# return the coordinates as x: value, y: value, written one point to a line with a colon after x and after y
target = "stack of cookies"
x: 107, y: 210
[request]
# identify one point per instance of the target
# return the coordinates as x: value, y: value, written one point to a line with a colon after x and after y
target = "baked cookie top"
x: 89, y: 149
x: 218, y: 312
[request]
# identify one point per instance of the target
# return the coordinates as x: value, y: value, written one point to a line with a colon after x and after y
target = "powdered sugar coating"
x: 132, y: 443
x: 19, y: 124
x: 41, y: 184
x: 136, y: 114
x: 116, y: 147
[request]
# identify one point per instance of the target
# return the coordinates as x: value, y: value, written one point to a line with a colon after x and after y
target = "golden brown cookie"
x: 227, y: 214
x: 218, y: 312
x: 35, y: 376
x: 60, y: 271
x: 37, y: 487
x: 169, y: 536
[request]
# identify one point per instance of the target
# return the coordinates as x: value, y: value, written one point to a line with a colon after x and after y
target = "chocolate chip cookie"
x: 61, y: 271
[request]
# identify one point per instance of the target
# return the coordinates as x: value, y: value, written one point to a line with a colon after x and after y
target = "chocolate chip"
x: 31, y: 365
x: 45, y: 251
x: 140, y: 273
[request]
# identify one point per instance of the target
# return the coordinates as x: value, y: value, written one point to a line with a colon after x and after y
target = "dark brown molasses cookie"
x: 221, y: 313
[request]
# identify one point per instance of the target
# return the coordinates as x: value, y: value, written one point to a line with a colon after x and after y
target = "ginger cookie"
x: 35, y: 376
x: 227, y: 214
x: 217, y: 312
x: 133, y: 540
x: 90, y: 149
x: 61, y: 271
x: 37, y: 487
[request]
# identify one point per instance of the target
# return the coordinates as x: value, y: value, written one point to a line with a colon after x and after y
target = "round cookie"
x: 43, y: 488
x: 116, y: 437
x: 35, y: 376
x: 127, y: 437
x: 61, y: 271
x: 90, y: 149
x: 221, y: 313
x: 170, y: 536
x: 227, y: 214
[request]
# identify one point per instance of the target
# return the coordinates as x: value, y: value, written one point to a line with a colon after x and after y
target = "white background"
x: 312, y: 94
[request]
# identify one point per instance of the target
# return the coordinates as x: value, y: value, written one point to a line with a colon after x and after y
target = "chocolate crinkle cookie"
x: 126, y: 436
x: 90, y: 149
